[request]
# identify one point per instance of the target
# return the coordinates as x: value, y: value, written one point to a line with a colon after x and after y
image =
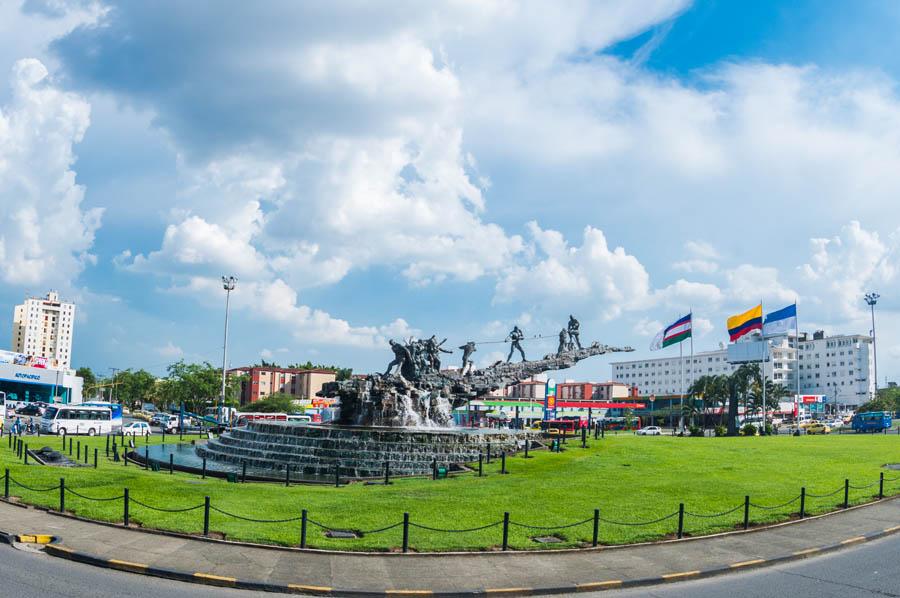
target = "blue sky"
x: 370, y: 172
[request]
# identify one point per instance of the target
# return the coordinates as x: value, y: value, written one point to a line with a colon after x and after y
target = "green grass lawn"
x: 630, y: 479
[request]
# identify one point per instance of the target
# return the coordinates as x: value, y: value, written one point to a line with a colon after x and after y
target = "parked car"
x: 649, y: 431
x: 31, y: 409
x: 818, y: 428
x: 810, y: 422
x: 136, y: 429
x: 835, y: 424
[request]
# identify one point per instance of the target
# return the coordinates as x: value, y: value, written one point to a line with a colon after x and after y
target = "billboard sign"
x: 550, y: 400
x: 748, y: 352
x: 810, y: 399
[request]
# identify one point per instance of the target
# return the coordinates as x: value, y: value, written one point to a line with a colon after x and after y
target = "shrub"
x: 748, y: 430
x: 696, y: 431
x: 721, y: 430
x: 769, y: 430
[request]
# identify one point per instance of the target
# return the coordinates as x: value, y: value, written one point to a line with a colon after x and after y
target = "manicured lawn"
x: 630, y: 479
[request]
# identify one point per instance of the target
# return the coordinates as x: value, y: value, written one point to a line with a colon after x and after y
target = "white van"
x: 77, y: 420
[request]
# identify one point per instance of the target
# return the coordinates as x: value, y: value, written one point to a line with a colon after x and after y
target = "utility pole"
x: 872, y: 299
x: 228, y: 283
x: 115, y: 384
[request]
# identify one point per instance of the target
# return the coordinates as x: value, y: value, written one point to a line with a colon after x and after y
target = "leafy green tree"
x: 89, y: 383
x: 888, y: 399
x: 195, y: 385
x: 134, y: 387
x: 275, y: 403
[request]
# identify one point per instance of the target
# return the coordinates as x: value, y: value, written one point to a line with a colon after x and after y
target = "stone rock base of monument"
x: 360, y: 451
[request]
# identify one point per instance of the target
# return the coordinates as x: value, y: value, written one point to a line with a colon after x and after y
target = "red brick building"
x: 263, y: 381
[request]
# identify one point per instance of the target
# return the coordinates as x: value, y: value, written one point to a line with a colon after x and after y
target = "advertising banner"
x: 13, y: 357
x: 550, y: 400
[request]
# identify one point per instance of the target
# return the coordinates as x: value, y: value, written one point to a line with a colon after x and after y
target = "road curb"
x: 472, y: 553
x: 609, y: 584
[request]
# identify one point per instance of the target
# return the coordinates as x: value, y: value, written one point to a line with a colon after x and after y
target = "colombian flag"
x: 748, y: 321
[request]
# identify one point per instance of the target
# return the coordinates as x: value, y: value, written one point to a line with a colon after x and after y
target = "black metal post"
x: 602, y: 430
x: 125, y: 509
x: 96, y: 454
x: 387, y: 473
x: 583, y: 437
x: 70, y: 445
x: 25, y: 453
x: 434, y: 468
x: 596, y: 538
x: 802, y: 502
x: 206, y: 516
x: 243, y: 471
x: 489, y: 453
x: 506, y: 530
x: 287, y: 475
x: 846, y: 493
x: 303, y: 529
x: 405, y: 532
x: 880, y: 484
x: 146, y: 457
x: 203, y: 471
x: 78, y: 453
x: 86, y: 455
x: 62, y: 495
x: 680, y: 520
x: 503, y: 463
x: 527, y: 442
x: 480, y: 464
x: 337, y: 475
x: 107, y: 445
x: 171, y: 463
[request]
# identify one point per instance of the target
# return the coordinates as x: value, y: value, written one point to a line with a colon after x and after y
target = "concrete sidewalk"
x: 455, y: 574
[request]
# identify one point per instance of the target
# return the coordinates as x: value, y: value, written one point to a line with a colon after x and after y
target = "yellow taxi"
x: 818, y: 428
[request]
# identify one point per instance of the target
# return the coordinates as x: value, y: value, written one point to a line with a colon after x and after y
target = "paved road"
x: 870, y: 569
x: 867, y: 570
x: 28, y: 575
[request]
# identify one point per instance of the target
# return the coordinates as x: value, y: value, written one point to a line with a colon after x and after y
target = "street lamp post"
x: 872, y: 299
x: 228, y: 283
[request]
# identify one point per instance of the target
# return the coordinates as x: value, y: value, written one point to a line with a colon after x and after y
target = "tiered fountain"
x: 403, y: 419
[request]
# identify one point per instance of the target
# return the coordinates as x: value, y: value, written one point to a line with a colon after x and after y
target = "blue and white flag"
x: 781, y: 321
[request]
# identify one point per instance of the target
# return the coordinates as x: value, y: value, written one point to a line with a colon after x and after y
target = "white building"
x: 840, y: 367
x: 20, y: 382
x: 42, y: 329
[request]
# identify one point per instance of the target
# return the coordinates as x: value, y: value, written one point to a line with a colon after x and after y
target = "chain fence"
x: 406, y: 524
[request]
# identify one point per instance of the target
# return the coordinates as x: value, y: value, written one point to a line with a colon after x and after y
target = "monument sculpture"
x: 402, y: 418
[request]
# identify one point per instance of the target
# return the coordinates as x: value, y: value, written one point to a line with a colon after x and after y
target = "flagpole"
x: 766, y: 354
x: 681, y: 359
x: 693, y: 377
x: 797, y: 329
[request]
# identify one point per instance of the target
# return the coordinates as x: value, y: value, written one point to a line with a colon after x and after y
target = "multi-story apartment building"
x: 263, y: 381
x: 42, y: 329
x: 841, y: 367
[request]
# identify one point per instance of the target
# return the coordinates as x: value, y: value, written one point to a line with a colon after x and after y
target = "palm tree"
x: 739, y: 384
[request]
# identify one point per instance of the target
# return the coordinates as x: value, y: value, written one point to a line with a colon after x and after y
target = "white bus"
x: 77, y: 420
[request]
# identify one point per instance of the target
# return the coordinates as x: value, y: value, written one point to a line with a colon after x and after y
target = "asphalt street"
x: 871, y: 569
x: 28, y: 575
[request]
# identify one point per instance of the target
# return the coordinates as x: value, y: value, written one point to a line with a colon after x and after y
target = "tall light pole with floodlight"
x: 228, y: 283
x: 872, y: 299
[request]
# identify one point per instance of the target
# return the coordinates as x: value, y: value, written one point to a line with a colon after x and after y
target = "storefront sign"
x: 550, y: 400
